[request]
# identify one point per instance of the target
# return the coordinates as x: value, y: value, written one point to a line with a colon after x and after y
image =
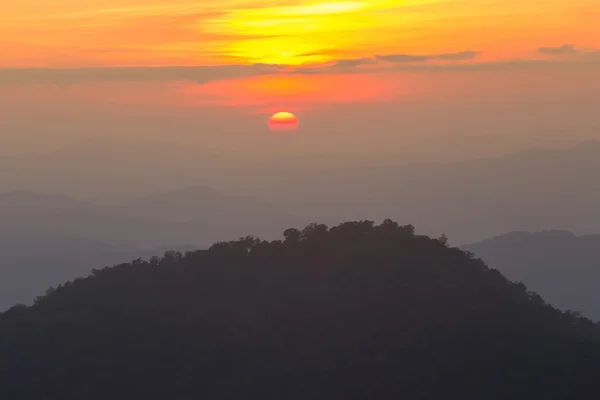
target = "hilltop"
x: 350, y: 312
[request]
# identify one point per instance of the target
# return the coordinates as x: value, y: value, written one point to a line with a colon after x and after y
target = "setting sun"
x: 283, y: 121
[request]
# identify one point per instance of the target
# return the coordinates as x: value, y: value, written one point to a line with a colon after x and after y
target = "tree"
x: 314, y: 231
x: 443, y: 239
x: 292, y: 236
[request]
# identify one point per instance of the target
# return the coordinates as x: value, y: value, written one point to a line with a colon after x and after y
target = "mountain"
x: 192, y: 215
x: 116, y: 170
x: 49, y: 215
x: 202, y: 204
x: 102, y: 170
x: 46, y: 239
x: 352, y: 312
x: 24, y: 202
x: 30, y: 263
x: 471, y: 200
x: 563, y: 267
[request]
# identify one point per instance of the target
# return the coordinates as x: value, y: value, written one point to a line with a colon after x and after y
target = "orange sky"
x: 74, y: 33
x: 325, y: 52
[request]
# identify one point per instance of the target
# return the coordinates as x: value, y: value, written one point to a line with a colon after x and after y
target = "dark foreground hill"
x: 353, y: 312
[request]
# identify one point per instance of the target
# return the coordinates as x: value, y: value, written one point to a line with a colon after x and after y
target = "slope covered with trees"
x: 353, y: 312
x: 561, y: 266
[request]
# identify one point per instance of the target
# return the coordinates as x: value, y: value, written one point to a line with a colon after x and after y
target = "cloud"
x: 572, y: 53
x: 567, y: 49
x: 352, y: 63
x: 73, y: 76
x: 590, y: 60
x: 407, y: 58
x: 65, y: 77
x: 495, y: 65
x: 415, y: 63
x: 378, y: 62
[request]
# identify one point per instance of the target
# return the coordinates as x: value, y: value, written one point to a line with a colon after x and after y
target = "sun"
x: 283, y: 121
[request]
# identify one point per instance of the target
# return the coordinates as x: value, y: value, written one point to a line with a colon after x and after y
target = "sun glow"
x: 297, y: 34
x: 283, y: 121
x: 323, y: 8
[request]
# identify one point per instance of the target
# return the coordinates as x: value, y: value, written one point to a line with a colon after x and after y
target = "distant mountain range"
x: 193, y: 215
x: 46, y: 239
x: 200, y: 204
x: 531, y: 191
x: 562, y: 267
x: 30, y: 263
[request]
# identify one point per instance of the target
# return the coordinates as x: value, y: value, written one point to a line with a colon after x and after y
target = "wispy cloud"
x: 353, y: 63
x: 381, y: 62
x: 200, y: 74
x: 408, y: 58
x: 71, y: 76
x: 567, y: 49
x: 458, y: 61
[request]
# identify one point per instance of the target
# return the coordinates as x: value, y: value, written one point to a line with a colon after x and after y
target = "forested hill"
x: 357, y: 311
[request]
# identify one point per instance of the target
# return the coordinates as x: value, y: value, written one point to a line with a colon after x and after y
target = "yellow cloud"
x: 203, y: 32
x: 296, y: 33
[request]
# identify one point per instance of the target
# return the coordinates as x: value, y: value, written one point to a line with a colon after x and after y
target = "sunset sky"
x: 245, y: 59
x: 70, y: 33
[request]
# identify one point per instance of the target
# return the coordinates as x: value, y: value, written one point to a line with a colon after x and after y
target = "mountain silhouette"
x: 350, y: 312
x: 563, y: 267
x: 26, y: 202
x: 46, y: 239
x: 531, y: 190
x: 203, y: 204
x: 30, y: 263
x: 469, y: 201
x: 192, y: 215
